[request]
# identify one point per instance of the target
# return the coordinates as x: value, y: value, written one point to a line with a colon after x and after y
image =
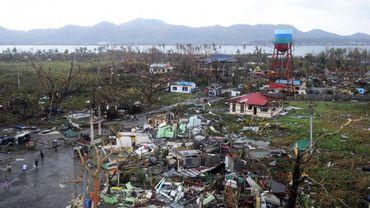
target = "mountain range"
x: 152, y: 31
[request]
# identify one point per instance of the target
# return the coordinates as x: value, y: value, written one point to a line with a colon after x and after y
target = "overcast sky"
x: 338, y: 16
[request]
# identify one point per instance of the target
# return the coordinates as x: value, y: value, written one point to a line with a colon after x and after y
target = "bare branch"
x: 83, y: 162
x: 310, y: 151
x: 342, y: 202
x: 318, y: 183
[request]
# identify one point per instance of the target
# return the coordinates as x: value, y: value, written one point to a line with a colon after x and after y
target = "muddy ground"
x: 43, y: 186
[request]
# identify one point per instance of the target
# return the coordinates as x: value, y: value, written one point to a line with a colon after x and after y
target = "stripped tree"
x: 59, y: 87
x: 149, y: 84
x: 96, y: 174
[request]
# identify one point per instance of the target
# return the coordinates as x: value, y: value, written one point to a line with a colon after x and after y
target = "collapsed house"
x: 284, y: 86
x: 184, y: 162
x: 127, y: 139
x: 214, y: 89
x: 299, y: 86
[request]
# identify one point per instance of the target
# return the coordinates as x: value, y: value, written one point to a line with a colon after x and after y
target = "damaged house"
x: 183, y: 87
x: 255, y: 104
x: 187, y: 158
x: 214, y: 89
x: 160, y: 68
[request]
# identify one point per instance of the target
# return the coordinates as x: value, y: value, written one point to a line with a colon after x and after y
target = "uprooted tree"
x: 59, y: 86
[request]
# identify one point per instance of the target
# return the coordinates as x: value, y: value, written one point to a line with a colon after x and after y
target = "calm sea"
x: 226, y: 49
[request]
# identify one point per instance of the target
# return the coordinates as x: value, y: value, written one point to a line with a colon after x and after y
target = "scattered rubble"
x: 186, y: 162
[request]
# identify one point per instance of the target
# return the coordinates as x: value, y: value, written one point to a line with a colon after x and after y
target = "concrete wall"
x: 160, y: 70
x: 264, y: 114
x: 179, y: 88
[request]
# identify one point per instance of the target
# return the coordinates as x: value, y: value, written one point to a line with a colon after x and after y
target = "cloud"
x: 339, y: 16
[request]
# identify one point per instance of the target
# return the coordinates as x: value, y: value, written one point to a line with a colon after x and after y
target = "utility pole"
x: 99, y: 123
x: 111, y: 75
x: 92, y: 124
x: 310, y: 109
x: 19, y: 80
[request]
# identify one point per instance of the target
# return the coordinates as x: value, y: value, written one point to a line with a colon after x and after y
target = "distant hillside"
x: 151, y: 31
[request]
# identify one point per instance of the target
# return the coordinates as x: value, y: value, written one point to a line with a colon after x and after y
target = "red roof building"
x: 255, y: 104
x: 254, y: 98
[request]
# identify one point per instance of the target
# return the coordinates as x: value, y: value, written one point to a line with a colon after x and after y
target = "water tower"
x: 282, y: 60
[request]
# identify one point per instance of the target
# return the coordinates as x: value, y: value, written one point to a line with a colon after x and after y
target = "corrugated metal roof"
x: 254, y: 98
x: 185, y: 83
x: 284, y: 81
x: 220, y: 58
x: 160, y: 65
x: 192, y: 173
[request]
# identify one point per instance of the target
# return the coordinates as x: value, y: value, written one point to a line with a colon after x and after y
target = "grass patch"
x: 167, y: 98
x: 347, y: 154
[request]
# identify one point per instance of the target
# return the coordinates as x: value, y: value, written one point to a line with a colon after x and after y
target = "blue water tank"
x: 283, y: 36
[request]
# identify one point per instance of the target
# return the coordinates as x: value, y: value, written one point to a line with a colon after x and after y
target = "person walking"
x: 9, y: 167
x: 41, y: 154
x: 6, y: 183
x: 36, y: 163
x: 55, y: 145
x: 24, y: 167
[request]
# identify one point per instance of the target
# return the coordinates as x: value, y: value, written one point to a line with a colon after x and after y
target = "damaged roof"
x: 184, y: 83
x: 254, y: 98
x: 277, y: 85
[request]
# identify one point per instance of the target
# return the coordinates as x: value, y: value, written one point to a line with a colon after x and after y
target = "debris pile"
x: 190, y: 161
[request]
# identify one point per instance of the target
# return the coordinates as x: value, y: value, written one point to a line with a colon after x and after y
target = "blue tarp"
x: 302, y: 144
x: 19, y: 126
x: 284, y: 81
x: 360, y: 90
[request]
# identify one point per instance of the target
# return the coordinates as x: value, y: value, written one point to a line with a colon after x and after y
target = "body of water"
x: 226, y: 49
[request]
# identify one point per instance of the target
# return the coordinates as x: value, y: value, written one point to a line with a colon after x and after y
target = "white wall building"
x: 255, y: 104
x: 160, y: 68
x: 183, y: 87
x: 128, y: 139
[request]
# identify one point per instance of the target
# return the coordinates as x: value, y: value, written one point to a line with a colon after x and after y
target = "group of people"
x: 35, y: 163
x: 24, y: 169
x: 133, y: 118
